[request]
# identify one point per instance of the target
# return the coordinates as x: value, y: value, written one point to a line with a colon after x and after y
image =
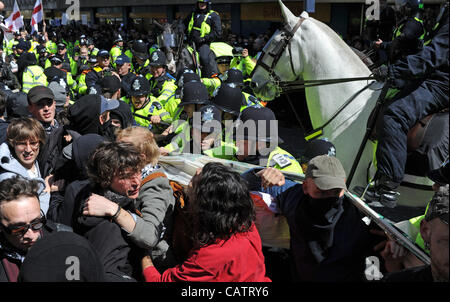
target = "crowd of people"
x: 86, y: 113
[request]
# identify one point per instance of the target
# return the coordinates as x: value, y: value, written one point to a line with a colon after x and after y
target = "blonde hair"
x: 142, y: 139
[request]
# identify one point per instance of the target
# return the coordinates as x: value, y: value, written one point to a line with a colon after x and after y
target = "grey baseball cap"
x: 327, y: 172
x: 438, y: 207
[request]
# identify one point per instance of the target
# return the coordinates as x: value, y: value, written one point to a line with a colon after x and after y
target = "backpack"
x: 181, y: 240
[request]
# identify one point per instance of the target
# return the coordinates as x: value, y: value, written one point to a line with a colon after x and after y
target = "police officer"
x: 410, y: 32
x: 56, y: 72
x: 117, y: 49
x: 33, y: 75
x: 232, y: 77
x: 162, y: 84
x: 51, y: 43
x: 93, y: 51
x: 81, y: 79
x: 423, y: 81
x: 193, y: 97
x: 123, y: 66
x: 203, y: 27
x: 258, y: 145
x: 103, y: 68
x: 69, y: 64
x: 147, y: 111
x: 140, y: 62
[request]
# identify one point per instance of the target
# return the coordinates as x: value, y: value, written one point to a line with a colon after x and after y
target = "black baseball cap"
x: 38, y: 93
x: 110, y: 84
x: 318, y: 147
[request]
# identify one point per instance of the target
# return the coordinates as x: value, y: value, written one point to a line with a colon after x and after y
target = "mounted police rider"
x: 203, y: 27
x: 423, y: 81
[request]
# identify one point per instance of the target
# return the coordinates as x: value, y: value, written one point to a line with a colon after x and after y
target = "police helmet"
x: 260, y: 116
x: 229, y: 98
x: 118, y: 38
x: 139, y: 50
x: 194, y: 93
x: 158, y: 58
x: 41, y: 40
x: 92, y: 60
x: 414, y: 5
x: 233, y: 76
x: 317, y: 147
x: 56, y: 60
x: 224, y: 59
x: 139, y: 86
x: 209, y: 114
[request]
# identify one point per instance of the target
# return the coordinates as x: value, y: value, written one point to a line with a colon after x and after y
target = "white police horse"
x: 310, y: 50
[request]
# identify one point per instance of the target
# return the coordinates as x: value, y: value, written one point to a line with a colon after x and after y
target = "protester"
x: 50, y: 258
x: 91, y: 114
x: 18, y: 155
x: 329, y: 241
x: 226, y: 243
x: 114, y: 171
x: 22, y: 224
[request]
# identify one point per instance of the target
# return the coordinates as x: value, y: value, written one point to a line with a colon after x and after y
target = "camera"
x: 237, y: 50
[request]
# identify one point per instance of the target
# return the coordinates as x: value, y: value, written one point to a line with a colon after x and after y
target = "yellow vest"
x: 33, y: 76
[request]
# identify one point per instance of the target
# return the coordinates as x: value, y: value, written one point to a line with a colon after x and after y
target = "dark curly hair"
x: 17, y: 186
x: 222, y: 205
x: 112, y: 159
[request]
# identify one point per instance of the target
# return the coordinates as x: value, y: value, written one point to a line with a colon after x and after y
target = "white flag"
x: 15, y: 20
x: 38, y: 15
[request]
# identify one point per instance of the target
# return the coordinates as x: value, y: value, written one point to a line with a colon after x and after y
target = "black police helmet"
x: 194, y: 93
x: 139, y: 86
x: 260, y: 115
x: 229, y: 99
x: 158, y: 58
x: 209, y: 114
x: 234, y: 76
x: 140, y: 50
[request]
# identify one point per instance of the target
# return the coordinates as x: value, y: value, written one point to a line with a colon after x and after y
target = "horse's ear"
x: 304, y: 14
x: 289, y: 17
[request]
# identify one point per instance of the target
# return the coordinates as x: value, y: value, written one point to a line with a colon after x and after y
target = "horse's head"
x: 280, y: 59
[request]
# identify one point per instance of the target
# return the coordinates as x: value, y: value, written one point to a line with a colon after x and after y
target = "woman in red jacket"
x: 226, y: 243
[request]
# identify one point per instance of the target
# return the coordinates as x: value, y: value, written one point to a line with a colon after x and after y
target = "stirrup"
x: 367, y: 187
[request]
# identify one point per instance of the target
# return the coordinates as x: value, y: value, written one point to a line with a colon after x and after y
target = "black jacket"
x: 5, y: 260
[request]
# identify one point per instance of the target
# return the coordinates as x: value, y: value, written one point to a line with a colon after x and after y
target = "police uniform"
x: 139, y: 50
x: 116, y: 50
x: 163, y: 88
x: 423, y: 81
x: 408, y: 36
x: 204, y: 27
x: 97, y: 72
x: 192, y: 93
x: 151, y: 107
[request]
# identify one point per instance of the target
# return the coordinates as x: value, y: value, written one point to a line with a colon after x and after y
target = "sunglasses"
x: 19, y: 231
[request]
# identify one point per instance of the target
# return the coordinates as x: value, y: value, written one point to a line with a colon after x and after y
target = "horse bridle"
x: 287, y: 35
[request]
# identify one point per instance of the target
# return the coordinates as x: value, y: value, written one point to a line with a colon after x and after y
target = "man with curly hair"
x: 114, y: 172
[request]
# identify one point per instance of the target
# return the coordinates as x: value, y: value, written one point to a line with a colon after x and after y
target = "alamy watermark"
x: 73, y: 11
x: 73, y: 269
x: 373, y: 11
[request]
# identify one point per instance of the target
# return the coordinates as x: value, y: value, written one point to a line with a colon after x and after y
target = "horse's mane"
x: 337, y: 41
x: 331, y: 33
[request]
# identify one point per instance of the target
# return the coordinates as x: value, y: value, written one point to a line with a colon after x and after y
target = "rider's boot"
x: 383, y: 192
